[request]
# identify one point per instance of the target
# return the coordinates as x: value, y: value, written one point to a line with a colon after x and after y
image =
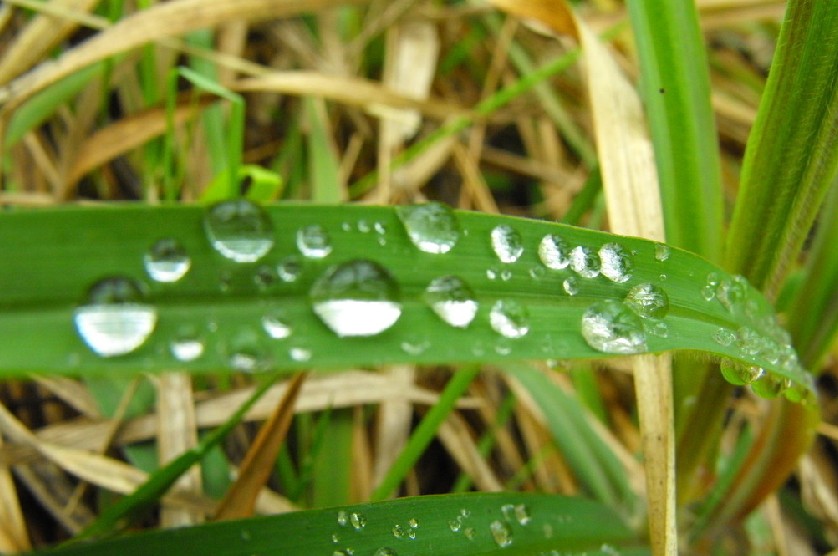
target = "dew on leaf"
x: 356, y: 298
x: 115, y: 320
x: 648, y: 301
x: 724, y: 336
x: 739, y: 374
x: 611, y: 327
x: 506, y: 243
x: 509, y: 318
x: 615, y: 262
x: 501, y: 533
x: 314, y: 241
x: 452, y: 300
x: 432, y: 227
x: 167, y: 261
x: 239, y: 230
x: 584, y: 262
x: 554, y: 252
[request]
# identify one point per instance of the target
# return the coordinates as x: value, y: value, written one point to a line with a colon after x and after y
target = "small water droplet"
x: 464, y: 512
x: 506, y: 243
x: 357, y: 520
x: 501, y: 533
x: 648, y: 301
x: 537, y: 272
x: 570, y: 286
x: 244, y: 361
x: 356, y: 298
x: 656, y: 327
x: 739, y: 374
x: 415, y: 346
x: 770, y: 386
x: 491, y: 274
x: 584, y: 262
x: 554, y: 252
x: 314, y: 241
x: 399, y: 532
x: 469, y: 533
x: 731, y: 293
x: 411, y: 534
x: 275, y: 326
x: 522, y: 514
x: 506, y: 275
x: 611, y: 327
x: 299, y: 354
x: 240, y: 230
x: 364, y: 227
x: 452, y: 300
x: 455, y: 524
x: 385, y: 551
x: 509, y: 318
x: 724, y: 336
x: 615, y: 262
x: 547, y: 530
x: 114, y: 320
x: 432, y: 227
x: 335, y: 538
x: 187, y: 345
x: 662, y: 252
x: 264, y: 277
x: 289, y: 269
x: 413, y: 523
x: 343, y: 518
x: 167, y: 261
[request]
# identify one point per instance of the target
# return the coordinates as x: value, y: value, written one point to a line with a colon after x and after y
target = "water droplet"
x: 379, y: 228
x: 276, y: 327
x: 385, y: 551
x: 187, y: 345
x: 584, y: 262
x: 506, y: 275
x: 335, y: 538
x: 452, y: 300
x: 299, y: 354
x: 648, y: 301
x: 289, y: 269
x: 114, y: 320
x: 364, y: 226
x: 547, y: 529
x: 662, y: 252
x: 357, y: 520
x: 240, y: 230
x: 522, y: 514
x: 469, y: 533
x: 611, y: 327
x: 432, y: 227
x: 415, y: 346
x: 501, y: 533
x: 571, y: 286
x: 244, y: 361
x: 506, y: 243
x: 464, y: 512
x: 413, y: 523
x: 656, y: 327
x: 509, y: 318
x: 343, y: 518
x: 537, y: 272
x: 770, y: 386
x: 399, y: 532
x: 615, y: 262
x: 264, y: 277
x: 739, y: 374
x: 491, y: 274
x: 508, y: 511
x: 411, y: 534
x: 356, y: 298
x: 455, y: 525
x: 731, y: 293
x: 724, y: 336
x: 167, y: 261
x: 708, y: 292
x: 554, y: 252
x: 314, y: 241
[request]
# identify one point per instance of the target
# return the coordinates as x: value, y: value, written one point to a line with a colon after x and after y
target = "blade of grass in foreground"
x: 465, y: 524
x: 223, y: 314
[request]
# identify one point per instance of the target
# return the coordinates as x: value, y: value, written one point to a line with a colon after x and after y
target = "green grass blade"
x: 48, y: 272
x: 425, y: 432
x: 791, y: 158
x: 160, y: 481
x: 676, y: 92
x: 459, y: 524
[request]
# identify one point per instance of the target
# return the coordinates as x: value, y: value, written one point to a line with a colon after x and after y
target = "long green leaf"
x: 461, y: 524
x: 676, y: 92
x: 53, y: 257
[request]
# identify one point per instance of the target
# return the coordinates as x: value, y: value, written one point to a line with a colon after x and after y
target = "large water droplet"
x: 648, y: 301
x: 739, y: 374
x: 314, y: 241
x: 432, y: 227
x: 240, y: 230
x: 356, y: 298
x: 615, y: 262
x: 554, y: 252
x: 501, y: 533
x: 611, y: 327
x: 506, y: 243
x: 509, y: 318
x: 451, y: 299
x: 357, y: 520
x: 584, y: 262
x: 114, y: 320
x: 166, y: 261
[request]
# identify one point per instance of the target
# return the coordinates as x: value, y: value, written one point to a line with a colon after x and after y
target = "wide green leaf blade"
x: 460, y: 524
x: 52, y: 257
